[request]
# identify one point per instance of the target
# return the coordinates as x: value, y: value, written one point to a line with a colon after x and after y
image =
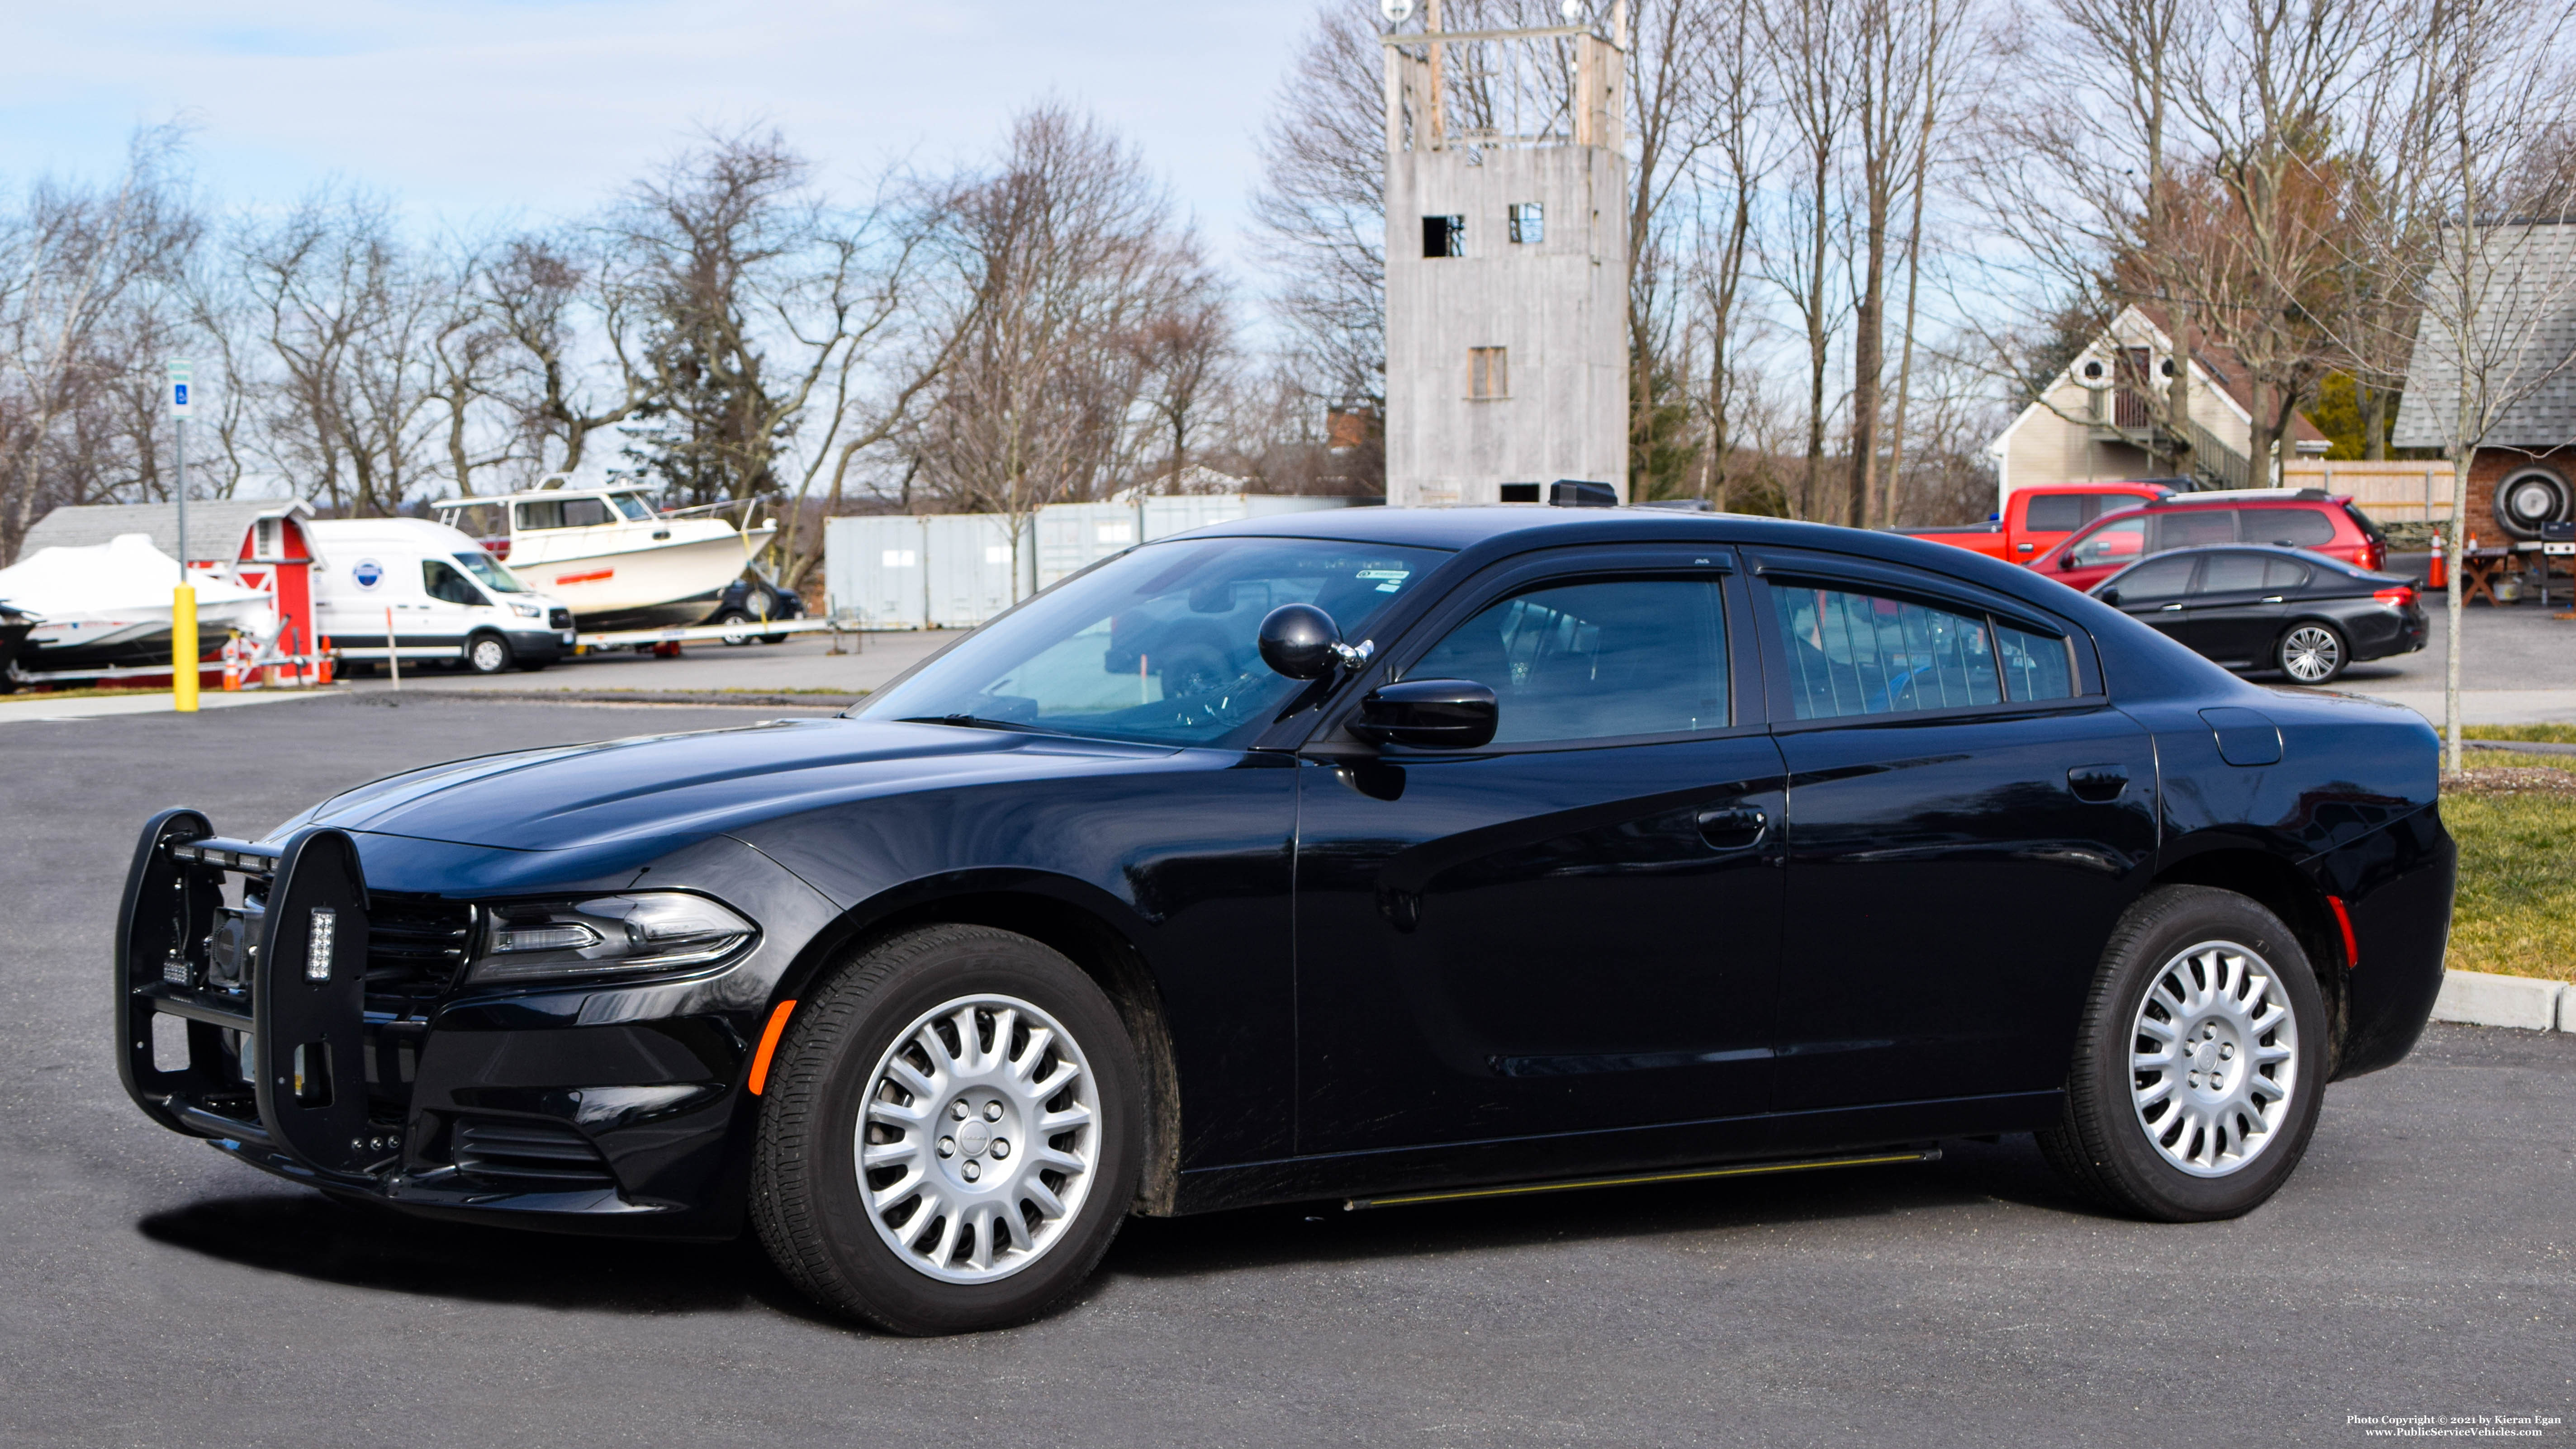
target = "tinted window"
x: 2195, y: 528
x: 2059, y: 512
x: 1857, y: 654
x: 2295, y: 527
x: 2121, y: 541
x: 1595, y: 660
x: 632, y: 506
x: 443, y: 582
x: 2036, y: 666
x: 1160, y: 644
x: 2232, y: 573
x: 2163, y: 578
x: 2280, y: 574
x: 563, y: 513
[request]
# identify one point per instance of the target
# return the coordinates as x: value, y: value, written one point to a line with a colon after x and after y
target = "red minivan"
x: 2308, y: 518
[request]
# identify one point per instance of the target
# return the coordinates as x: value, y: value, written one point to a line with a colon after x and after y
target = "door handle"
x: 2098, y: 783
x: 1739, y: 827
x: 2170, y: 609
x: 2278, y: 599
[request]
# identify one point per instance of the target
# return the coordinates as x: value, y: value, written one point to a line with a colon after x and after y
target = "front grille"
x: 415, y: 947
x: 559, y: 619
x: 527, y: 1155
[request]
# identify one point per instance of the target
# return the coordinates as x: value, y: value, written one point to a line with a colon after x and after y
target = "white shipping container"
x: 1074, y: 536
x: 969, y: 564
x: 873, y: 569
x: 1164, y: 517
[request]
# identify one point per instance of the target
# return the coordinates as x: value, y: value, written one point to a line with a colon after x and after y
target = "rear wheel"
x: 488, y: 654
x: 2199, y: 1064
x: 951, y: 1135
x: 2312, y: 653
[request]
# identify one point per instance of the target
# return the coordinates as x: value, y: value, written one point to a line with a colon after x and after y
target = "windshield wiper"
x: 972, y: 722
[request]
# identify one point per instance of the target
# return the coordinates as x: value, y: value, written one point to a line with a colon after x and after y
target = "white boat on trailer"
x: 615, y: 560
x: 101, y: 610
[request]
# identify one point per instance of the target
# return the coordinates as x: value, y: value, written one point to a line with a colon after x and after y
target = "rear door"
x: 1968, y: 817
x: 2237, y: 604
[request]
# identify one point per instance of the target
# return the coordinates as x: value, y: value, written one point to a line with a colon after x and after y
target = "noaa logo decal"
x: 367, y: 572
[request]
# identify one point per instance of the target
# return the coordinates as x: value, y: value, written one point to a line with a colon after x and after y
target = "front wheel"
x: 488, y: 654
x: 737, y: 626
x: 951, y: 1134
x: 2199, y: 1064
x: 2312, y: 653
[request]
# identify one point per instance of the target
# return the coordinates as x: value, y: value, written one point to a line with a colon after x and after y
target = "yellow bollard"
x: 183, y: 650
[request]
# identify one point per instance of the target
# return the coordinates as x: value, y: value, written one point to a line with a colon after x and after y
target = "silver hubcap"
x: 980, y: 1139
x: 487, y: 656
x: 2214, y: 1059
x: 2310, y: 653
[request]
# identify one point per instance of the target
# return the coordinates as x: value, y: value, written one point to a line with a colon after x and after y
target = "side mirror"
x: 1300, y: 641
x: 2065, y: 563
x: 1434, y: 714
x: 2109, y: 596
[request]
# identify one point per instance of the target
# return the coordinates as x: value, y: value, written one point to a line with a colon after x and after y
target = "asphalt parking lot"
x: 2422, y: 1261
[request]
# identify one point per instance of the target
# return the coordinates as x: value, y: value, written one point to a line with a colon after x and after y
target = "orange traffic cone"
x: 232, y: 663
x: 2439, y: 575
x: 322, y: 665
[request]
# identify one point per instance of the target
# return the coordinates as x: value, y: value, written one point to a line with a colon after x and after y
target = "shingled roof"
x: 2526, y: 326
x: 215, y: 525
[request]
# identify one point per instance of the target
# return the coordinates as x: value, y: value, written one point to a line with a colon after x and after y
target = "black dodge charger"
x: 1393, y: 856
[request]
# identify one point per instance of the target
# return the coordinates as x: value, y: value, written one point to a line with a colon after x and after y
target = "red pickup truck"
x: 2035, y: 519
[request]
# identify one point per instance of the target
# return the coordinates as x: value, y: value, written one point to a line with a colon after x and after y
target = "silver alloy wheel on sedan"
x: 2214, y: 1058
x: 2311, y: 654
x: 980, y: 1139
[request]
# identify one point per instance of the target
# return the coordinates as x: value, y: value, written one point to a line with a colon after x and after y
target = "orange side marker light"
x: 2351, y: 947
x: 769, y: 1043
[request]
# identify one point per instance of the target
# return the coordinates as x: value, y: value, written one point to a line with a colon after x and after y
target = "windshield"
x: 1159, y: 645
x: 496, y: 578
x: 632, y: 506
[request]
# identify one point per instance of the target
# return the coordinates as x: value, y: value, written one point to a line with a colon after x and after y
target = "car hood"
x: 669, y: 789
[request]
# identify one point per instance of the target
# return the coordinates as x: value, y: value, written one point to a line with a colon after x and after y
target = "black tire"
x: 808, y: 1201
x: 532, y: 666
x: 2312, y: 652
x: 2102, y: 1146
x: 732, y: 618
x: 489, y: 654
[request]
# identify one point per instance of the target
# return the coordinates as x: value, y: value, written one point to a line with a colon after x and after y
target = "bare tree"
x: 567, y: 320
x: 72, y: 259
x: 1066, y: 251
x: 2485, y: 86
x: 1187, y: 351
x: 1319, y: 215
x: 1802, y: 43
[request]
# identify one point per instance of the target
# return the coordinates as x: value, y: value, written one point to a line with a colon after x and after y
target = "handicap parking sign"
x: 367, y: 572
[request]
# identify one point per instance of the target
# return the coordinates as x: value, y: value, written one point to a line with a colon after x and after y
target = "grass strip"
x: 2514, y: 816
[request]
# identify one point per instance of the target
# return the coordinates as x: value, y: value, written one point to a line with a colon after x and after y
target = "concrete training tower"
x: 1506, y: 260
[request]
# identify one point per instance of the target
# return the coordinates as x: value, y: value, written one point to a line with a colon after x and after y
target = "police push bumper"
x: 270, y: 987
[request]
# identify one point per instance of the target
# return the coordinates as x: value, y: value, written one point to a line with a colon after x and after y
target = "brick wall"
x: 2490, y: 468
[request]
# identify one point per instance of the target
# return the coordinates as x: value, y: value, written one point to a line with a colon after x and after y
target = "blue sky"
x: 475, y: 109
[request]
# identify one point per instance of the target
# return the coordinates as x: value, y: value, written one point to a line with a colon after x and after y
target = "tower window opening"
x: 1489, y: 372
x: 1529, y: 223
x: 1444, y: 236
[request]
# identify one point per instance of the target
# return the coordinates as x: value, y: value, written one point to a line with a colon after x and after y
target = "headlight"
x: 646, y: 931
x: 528, y: 611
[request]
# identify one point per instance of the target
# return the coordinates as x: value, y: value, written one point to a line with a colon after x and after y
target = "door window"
x: 2036, y: 665
x: 2196, y: 528
x: 2062, y: 512
x: 1595, y: 660
x: 1858, y: 654
x: 2155, y: 581
x: 442, y: 581
x: 2289, y: 527
x: 2249, y: 573
x: 2121, y: 542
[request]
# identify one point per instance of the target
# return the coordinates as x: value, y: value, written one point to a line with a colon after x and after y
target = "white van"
x: 437, y: 593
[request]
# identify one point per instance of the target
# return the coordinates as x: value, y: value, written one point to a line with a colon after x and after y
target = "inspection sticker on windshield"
x: 1389, y: 580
